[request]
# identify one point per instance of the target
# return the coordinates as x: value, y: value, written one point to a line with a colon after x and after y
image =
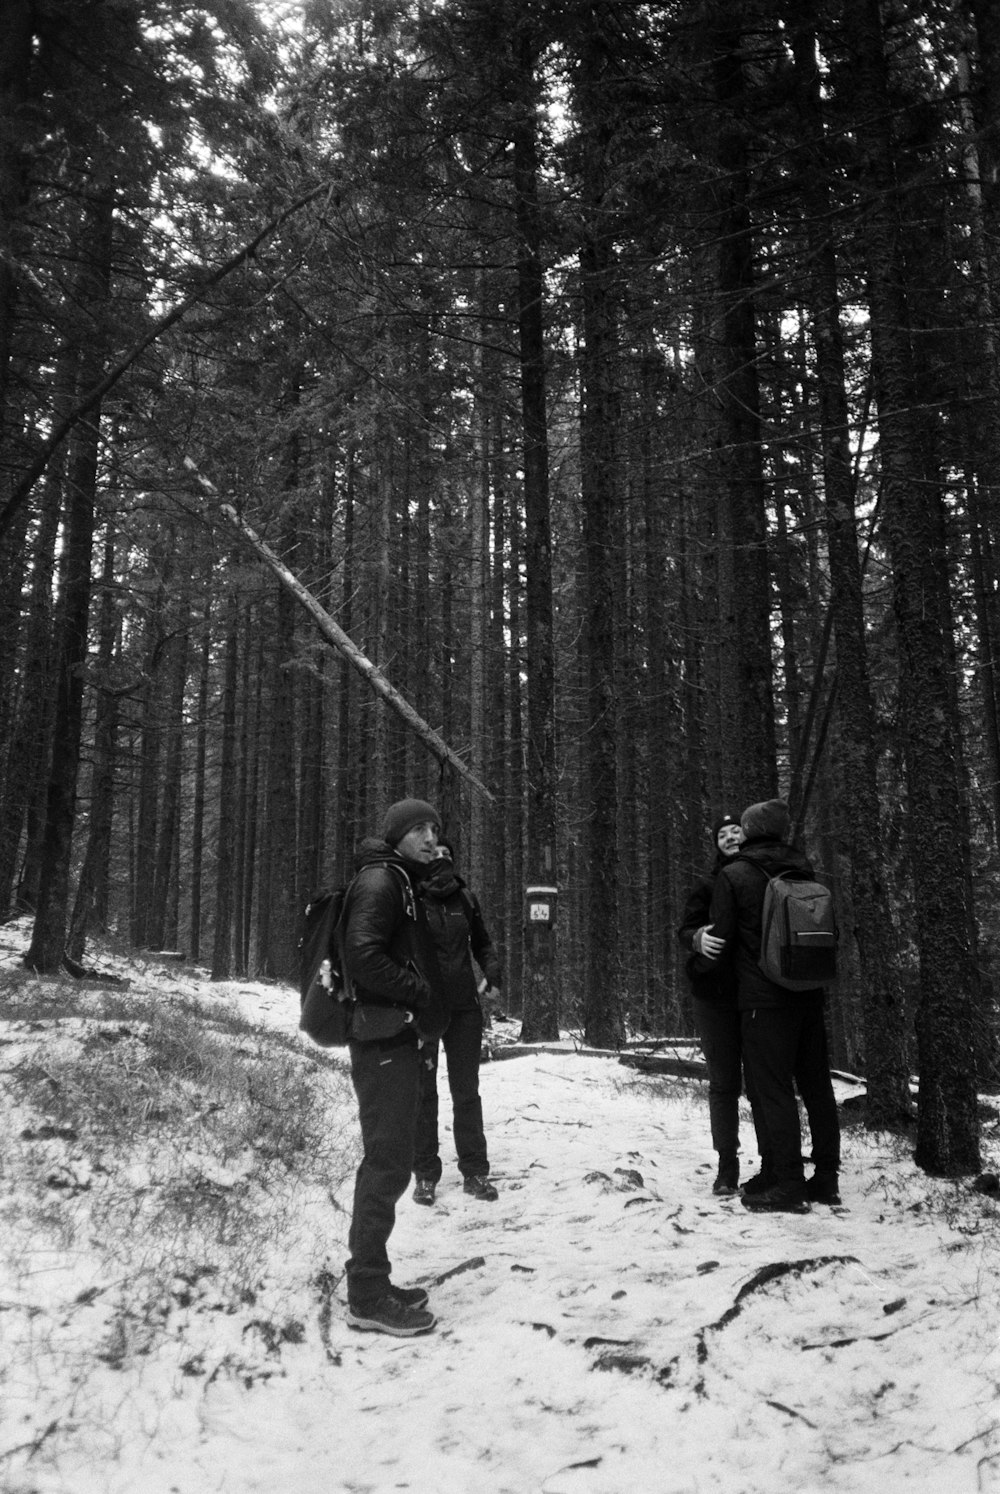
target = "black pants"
x: 720, y: 1031
x: 785, y: 1046
x: 386, y: 1081
x: 718, y: 1024
x: 463, y: 1043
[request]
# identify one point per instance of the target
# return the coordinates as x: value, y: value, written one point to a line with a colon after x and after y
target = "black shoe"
x: 727, y: 1180
x: 388, y: 1315
x: 423, y: 1192
x: 823, y: 1188
x: 481, y: 1188
x: 758, y: 1184
x: 780, y: 1198
x: 409, y: 1296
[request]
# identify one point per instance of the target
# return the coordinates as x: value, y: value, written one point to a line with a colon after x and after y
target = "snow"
x: 606, y: 1326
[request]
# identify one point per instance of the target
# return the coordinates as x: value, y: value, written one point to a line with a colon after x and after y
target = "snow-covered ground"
x: 607, y: 1326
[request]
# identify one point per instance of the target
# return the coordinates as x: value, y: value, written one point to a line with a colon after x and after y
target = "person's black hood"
x: 441, y: 880
x: 769, y: 820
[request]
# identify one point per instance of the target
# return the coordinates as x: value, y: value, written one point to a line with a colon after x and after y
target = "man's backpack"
x: 325, y: 1003
x: 798, y: 933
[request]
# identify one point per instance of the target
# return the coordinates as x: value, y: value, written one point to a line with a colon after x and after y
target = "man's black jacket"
x: 735, y: 916
x: 388, y: 952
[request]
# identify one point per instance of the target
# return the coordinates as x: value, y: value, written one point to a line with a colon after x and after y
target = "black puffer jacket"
x: 735, y: 915
x: 389, y: 954
x: 710, y: 980
x: 457, y: 926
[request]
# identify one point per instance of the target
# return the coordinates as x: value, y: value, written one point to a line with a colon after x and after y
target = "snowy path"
x: 606, y: 1327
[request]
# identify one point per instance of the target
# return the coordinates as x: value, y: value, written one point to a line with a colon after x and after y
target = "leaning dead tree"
x: 341, y: 641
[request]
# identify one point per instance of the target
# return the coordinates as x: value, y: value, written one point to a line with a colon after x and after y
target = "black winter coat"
x: 457, y: 927
x: 389, y: 954
x: 736, y: 915
x: 710, y: 980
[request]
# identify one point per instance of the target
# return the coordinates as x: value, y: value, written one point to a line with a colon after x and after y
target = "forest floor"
x: 174, y: 1186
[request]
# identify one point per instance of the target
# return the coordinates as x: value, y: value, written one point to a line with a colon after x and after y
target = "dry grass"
x: 162, y: 1164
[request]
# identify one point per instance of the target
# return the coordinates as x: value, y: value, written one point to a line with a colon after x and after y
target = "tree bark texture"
x: 948, y: 1127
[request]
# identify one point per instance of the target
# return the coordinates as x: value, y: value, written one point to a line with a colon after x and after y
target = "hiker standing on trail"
x: 391, y: 966
x: 460, y: 934
x: 716, y: 1014
x: 784, y: 1036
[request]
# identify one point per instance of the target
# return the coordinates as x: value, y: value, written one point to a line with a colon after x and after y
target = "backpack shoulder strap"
x: 409, y: 900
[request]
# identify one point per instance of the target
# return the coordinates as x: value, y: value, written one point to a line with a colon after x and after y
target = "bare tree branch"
x: 62, y: 428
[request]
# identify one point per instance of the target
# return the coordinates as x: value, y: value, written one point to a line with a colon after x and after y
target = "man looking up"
x: 392, y: 974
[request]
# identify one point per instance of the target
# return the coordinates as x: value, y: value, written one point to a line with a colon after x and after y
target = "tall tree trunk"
x: 887, y: 1070
x: 749, y: 764
x: 347, y: 809
x: 150, y: 772
x: 541, y: 991
x: 30, y: 706
x: 17, y: 24
x: 602, y: 534
x: 198, y: 807
x: 223, y: 933
x: 47, y: 947
x: 948, y: 1126
x: 982, y: 431
x: 168, y: 827
x: 279, y: 880
x: 91, y: 906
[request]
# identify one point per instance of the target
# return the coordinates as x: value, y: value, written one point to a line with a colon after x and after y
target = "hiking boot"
x: 727, y: 1181
x: 423, y: 1192
x: 481, y: 1188
x: 780, y: 1198
x: 409, y: 1296
x: 823, y: 1188
x: 758, y: 1183
x: 388, y: 1315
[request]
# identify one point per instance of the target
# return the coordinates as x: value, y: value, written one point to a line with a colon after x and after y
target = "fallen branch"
x: 777, y: 1269
x: 658, y: 1063
x: 474, y: 1263
x: 340, y: 640
x: 790, y: 1411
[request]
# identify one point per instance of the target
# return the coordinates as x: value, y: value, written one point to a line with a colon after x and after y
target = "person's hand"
x: 709, y: 945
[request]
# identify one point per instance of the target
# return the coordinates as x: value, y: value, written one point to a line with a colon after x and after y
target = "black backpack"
x: 325, y: 1002
x: 798, y: 932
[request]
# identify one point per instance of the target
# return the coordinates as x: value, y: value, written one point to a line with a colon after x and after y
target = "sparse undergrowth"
x: 162, y: 1163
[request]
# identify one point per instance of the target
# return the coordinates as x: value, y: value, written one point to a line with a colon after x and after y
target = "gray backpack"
x: 798, y: 935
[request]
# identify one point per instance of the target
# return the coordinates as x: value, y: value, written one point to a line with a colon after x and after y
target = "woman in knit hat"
x: 716, y: 1015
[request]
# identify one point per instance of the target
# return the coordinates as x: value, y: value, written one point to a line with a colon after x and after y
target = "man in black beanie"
x: 784, y: 1036
x: 392, y: 974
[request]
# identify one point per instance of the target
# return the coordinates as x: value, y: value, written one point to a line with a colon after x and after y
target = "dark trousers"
x: 463, y: 1043
x: 720, y: 1031
x: 718, y: 1025
x: 785, y: 1046
x: 386, y: 1081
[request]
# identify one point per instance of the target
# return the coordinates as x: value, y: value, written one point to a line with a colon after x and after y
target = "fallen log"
x: 663, y: 1063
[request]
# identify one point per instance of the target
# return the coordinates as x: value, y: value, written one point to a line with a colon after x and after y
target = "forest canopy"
x: 621, y: 378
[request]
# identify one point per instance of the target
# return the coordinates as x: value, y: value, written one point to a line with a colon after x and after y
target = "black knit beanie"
x: 401, y: 818
x: 767, y: 821
x: 724, y: 819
